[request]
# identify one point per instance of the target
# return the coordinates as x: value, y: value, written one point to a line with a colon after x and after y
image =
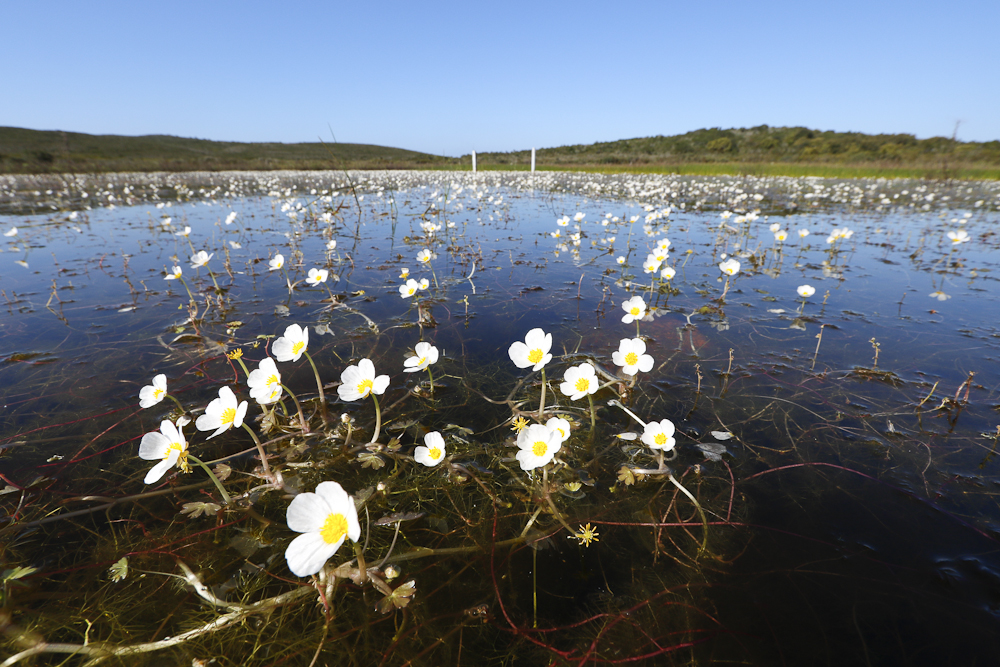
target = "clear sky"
x: 452, y: 77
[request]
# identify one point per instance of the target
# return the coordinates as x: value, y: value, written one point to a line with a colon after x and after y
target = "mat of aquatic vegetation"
x: 827, y: 495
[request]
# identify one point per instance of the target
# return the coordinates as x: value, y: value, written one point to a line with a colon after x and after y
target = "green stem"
x: 244, y: 366
x: 305, y: 427
x: 214, y: 282
x: 704, y: 519
x: 190, y: 296
x: 431, y: 376
x: 378, y: 421
x: 177, y: 402
x: 225, y: 496
x: 593, y: 415
x: 434, y: 275
x: 319, y: 387
x: 541, y: 404
x: 260, y: 450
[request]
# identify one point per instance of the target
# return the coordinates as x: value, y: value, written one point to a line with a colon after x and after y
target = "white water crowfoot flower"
x: 168, y: 447
x: 805, y: 291
x: 534, y: 351
x: 360, y: 381
x: 425, y: 355
x: 276, y: 263
x: 152, y: 394
x: 668, y: 273
x: 325, y: 519
x: 10, y: 232
x: 265, y: 382
x: 580, y: 381
x: 409, y: 289
x: 290, y: 346
x: 184, y: 232
x: 200, y: 259
x: 432, y: 452
x: 561, y: 425
x: 174, y: 274
x: 635, y: 309
x: 231, y: 218
x: 317, y: 276
x: 631, y: 356
x: 730, y: 267
x: 961, y: 236
x: 659, y: 435
x: 222, y: 413
x: 537, y: 444
x: 424, y: 256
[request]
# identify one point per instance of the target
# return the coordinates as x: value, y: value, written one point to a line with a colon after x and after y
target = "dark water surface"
x: 851, y: 518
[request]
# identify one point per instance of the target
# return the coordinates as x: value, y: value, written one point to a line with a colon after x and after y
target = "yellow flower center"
x: 434, y: 453
x: 228, y: 415
x: 535, y: 355
x: 539, y: 448
x: 562, y: 433
x: 583, y: 384
x: 181, y: 457
x: 297, y: 347
x: 157, y: 393
x: 334, y: 528
x: 631, y: 359
x: 272, y: 380
x: 364, y: 387
x: 634, y: 311
x: 420, y: 362
x: 660, y: 439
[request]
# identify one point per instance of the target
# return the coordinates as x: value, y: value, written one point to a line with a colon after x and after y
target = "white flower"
x: 424, y: 256
x: 620, y: 259
x: 556, y: 234
x: 563, y: 221
x: 659, y: 435
x: 231, y: 217
x: 174, y: 274
x: 168, y: 447
x: 561, y: 425
x: 424, y: 283
x: 200, y: 258
x: 317, y: 276
x: 11, y: 232
x: 939, y: 295
x: 774, y: 227
x: 222, y: 413
x: 534, y: 351
x: 409, y: 289
x: 432, y: 452
x: 580, y: 381
x: 652, y: 264
x: 404, y: 273
x: 184, y: 232
x: 806, y: 291
x: 152, y: 394
x: 359, y: 381
x: 325, y: 519
x: 235, y: 245
x: 166, y: 221
x: 803, y: 233
x: 291, y: 346
x: 961, y: 236
x: 635, y: 309
x: 663, y: 244
x: 668, y: 272
x: 579, y: 217
x: 537, y: 444
x: 730, y: 266
x: 426, y: 354
x: 331, y: 244
x: 780, y: 235
x: 265, y: 382
x: 276, y: 263
x: 631, y: 356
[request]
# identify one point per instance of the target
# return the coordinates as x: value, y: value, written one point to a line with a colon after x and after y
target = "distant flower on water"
x: 534, y: 351
x: 223, y: 413
x: 265, y: 382
x: 409, y: 289
x: 579, y: 381
x: 200, y: 259
x: 360, y: 381
x: 276, y: 263
x: 659, y: 435
x: 432, y: 452
x: 537, y: 445
x: 620, y: 259
x: 184, y: 232
x: 11, y: 232
x: 803, y: 233
x: 668, y: 272
x: 426, y: 354
x: 806, y: 291
x: 780, y: 235
x: 317, y: 276
x: 152, y: 394
x: 961, y: 236
x: 325, y: 519
x: 331, y: 244
x: 231, y: 218
x: 168, y: 447
x: 404, y: 273
x: 174, y: 274
x: 730, y: 266
x: 290, y: 346
x: 635, y: 309
x: 424, y: 256
x: 631, y: 356
x: 939, y: 295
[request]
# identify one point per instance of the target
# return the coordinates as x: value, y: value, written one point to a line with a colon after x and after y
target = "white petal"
x: 307, y: 512
x: 308, y: 552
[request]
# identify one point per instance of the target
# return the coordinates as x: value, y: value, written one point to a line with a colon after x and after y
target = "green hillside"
x: 33, y: 151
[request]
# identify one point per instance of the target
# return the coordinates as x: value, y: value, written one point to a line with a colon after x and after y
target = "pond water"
x: 831, y: 498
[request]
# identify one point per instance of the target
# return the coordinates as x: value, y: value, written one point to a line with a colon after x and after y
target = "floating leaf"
x: 399, y: 598
x: 713, y: 451
x: 722, y: 435
x: 626, y: 476
x: 222, y: 472
x: 282, y: 310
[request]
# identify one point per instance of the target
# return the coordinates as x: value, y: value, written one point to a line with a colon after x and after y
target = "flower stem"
x: 319, y: 387
x: 593, y: 415
x: 225, y: 496
x: 378, y: 421
x: 431, y: 376
x: 541, y: 404
x: 305, y: 426
x: 190, y: 296
x: 260, y: 450
x: 177, y: 402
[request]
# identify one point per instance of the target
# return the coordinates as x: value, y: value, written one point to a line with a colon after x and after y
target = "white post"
x: 532, y: 160
x: 473, y: 162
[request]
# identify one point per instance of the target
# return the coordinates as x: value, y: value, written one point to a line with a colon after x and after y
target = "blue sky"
x: 451, y: 77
